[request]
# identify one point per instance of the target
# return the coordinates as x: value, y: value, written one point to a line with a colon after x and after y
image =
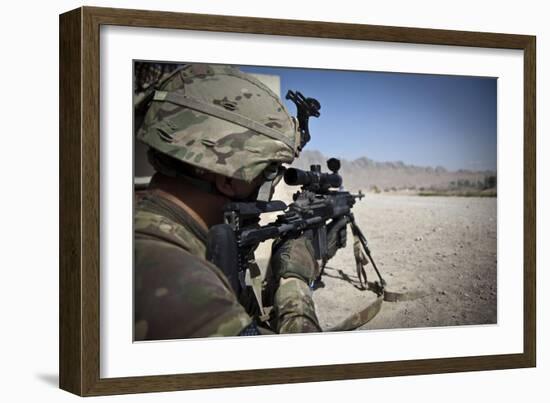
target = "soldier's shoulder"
x: 165, y: 247
x: 152, y: 226
x: 181, y: 295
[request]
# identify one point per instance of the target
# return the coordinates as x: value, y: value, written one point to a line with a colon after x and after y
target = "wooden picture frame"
x: 79, y: 200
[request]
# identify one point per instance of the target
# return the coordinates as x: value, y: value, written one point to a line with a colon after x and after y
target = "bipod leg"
x: 363, y: 240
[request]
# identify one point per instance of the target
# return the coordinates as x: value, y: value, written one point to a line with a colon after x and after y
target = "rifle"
x: 320, y: 201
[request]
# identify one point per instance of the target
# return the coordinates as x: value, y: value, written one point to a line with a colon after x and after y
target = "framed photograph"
x: 250, y: 201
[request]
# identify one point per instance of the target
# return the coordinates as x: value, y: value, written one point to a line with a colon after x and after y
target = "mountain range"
x: 367, y: 174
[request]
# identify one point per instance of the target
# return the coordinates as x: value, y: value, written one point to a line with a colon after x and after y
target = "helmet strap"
x: 266, y: 191
x: 157, y: 160
x: 201, y: 184
x: 263, y: 193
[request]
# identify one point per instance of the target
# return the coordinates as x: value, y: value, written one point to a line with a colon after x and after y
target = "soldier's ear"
x: 225, y: 185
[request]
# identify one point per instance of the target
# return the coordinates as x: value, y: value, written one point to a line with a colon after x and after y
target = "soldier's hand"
x: 295, y: 258
x: 336, y: 235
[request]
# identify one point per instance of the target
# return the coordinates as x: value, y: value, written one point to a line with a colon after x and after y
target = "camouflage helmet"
x: 221, y: 120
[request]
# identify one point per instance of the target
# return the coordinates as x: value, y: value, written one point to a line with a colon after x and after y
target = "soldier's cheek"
x: 245, y: 190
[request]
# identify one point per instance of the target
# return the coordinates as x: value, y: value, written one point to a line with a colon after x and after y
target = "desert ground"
x: 442, y: 247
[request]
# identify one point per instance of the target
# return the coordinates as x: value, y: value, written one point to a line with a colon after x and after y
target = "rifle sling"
x: 256, y: 284
x: 368, y: 313
x: 360, y: 318
x: 360, y: 258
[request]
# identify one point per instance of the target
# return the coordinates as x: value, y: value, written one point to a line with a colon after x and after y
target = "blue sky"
x: 426, y: 120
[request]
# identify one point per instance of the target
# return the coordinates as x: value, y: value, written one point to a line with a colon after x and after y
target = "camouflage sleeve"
x: 294, y: 307
x: 294, y: 266
x: 179, y: 295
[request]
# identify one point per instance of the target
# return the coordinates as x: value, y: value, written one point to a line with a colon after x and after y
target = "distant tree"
x: 148, y: 74
x: 490, y: 182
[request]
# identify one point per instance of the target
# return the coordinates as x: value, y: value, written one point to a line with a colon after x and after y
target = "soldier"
x: 215, y: 135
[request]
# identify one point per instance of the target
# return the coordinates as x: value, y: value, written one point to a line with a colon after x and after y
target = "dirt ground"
x: 443, y: 246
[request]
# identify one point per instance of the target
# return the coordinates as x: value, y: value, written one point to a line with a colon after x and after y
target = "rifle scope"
x: 314, y: 178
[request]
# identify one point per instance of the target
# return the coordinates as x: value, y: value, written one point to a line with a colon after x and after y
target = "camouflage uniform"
x: 178, y: 293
